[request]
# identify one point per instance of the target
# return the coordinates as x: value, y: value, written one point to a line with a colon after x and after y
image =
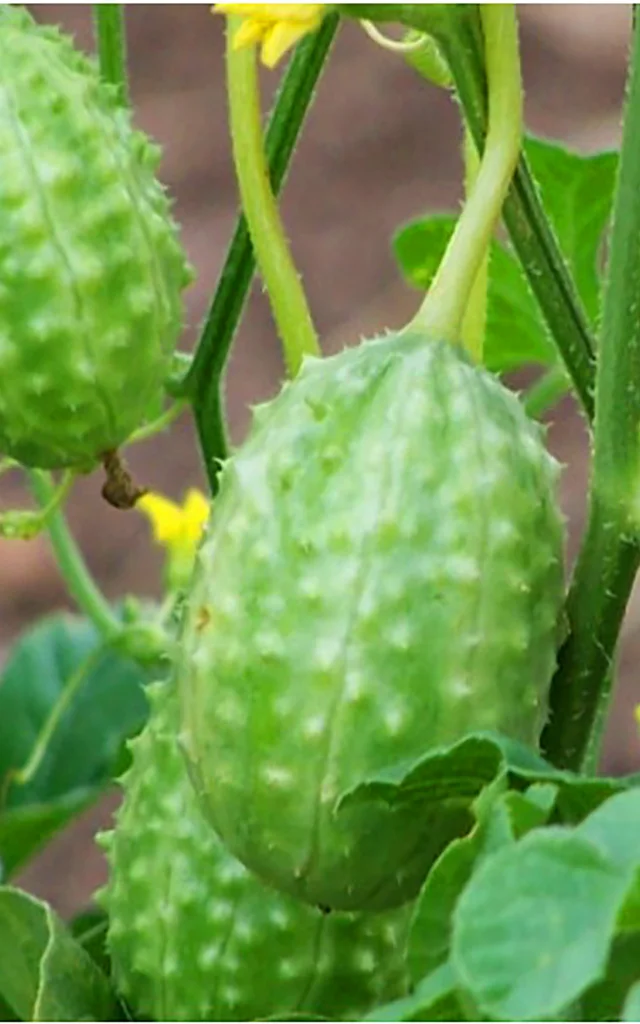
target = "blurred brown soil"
x: 379, y: 148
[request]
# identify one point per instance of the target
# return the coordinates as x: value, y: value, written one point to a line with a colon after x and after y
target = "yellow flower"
x: 177, y: 528
x: 277, y: 27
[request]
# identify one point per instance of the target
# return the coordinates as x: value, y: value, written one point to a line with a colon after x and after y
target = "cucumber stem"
x: 443, y: 310
x: 286, y: 294
x: 474, y: 323
x: 111, y: 45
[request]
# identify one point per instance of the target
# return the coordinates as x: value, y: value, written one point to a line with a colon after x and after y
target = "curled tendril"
x: 395, y: 45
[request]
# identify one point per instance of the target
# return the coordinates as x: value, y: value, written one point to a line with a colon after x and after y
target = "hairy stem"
x: 204, y: 380
x: 111, y: 46
x: 286, y: 294
x: 610, y: 553
x: 456, y: 28
x: 443, y: 310
x: 73, y: 569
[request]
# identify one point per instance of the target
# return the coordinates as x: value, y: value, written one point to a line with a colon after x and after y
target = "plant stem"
x: 546, y: 391
x: 111, y: 45
x: 286, y: 294
x: 530, y: 231
x: 474, y: 322
x: 77, y: 577
x: 442, y: 312
x: 22, y: 776
x: 204, y: 381
x: 456, y: 28
x: 610, y: 554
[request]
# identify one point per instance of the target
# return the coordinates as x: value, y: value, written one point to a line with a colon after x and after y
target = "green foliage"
x: 85, y: 749
x: 529, y: 906
x: 45, y: 975
x: 577, y: 193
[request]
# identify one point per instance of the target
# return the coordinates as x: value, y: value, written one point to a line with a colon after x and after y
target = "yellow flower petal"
x: 196, y: 513
x: 164, y: 515
x: 248, y: 34
x: 277, y: 26
x: 279, y: 39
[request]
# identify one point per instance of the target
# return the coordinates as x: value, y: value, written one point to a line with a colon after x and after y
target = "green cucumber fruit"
x: 194, y: 936
x: 381, y: 574
x: 91, y: 269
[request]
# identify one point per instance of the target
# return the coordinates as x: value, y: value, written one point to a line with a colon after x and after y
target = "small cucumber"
x: 194, y: 936
x: 91, y: 269
x: 381, y: 574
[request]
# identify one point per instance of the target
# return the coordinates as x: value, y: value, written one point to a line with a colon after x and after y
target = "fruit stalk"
x: 456, y: 29
x: 610, y: 553
x: 111, y: 46
x: 530, y: 231
x: 204, y: 381
x: 443, y: 311
x: 286, y: 294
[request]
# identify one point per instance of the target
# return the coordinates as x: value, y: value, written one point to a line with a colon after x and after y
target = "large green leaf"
x: 532, y: 930
x: 631, y: 1010
x: 44, y: 973
x: 605, y: 999
x: 502, y: 817
x: 577, y: 192
x: 84, y: 750
x: 434, y: 998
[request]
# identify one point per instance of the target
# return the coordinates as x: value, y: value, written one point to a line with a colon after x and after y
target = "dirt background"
x: 379, y: 148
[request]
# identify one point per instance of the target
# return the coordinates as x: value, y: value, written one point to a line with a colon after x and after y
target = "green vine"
x: 458, y: 32
x: 204, y: 382
x: 286, y: 293
x: 610, y: 553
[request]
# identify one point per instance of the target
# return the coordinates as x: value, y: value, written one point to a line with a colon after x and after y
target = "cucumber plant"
x: 357, y: 742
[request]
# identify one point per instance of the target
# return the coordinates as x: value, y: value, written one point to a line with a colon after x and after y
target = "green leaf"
x: 434, y: 998
x: 531, y: 809
x: 430, y: 934
x: 631, y: 1010
x: 605, y: 999
x: 90, y: 931
x: 577, y: 192
x: 419, y: 247
x: 86, y: 745
x: 533, y: 928
x: 615, y: 829
x: 44, y: 973
x: 501, y: 818
x: 443, y: 775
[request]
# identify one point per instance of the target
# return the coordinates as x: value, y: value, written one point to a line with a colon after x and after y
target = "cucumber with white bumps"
x: 91, y: 269
x: 381, y: 574
x: 194, y: 936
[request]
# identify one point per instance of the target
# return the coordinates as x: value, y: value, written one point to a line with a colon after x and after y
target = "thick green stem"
x: 443, y: 310
x: 610, y: 553
x: 73, y: 569
x: 204, y: 381
x: 596, y: 603
x: 111, y: 46
x: 286, y: 294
